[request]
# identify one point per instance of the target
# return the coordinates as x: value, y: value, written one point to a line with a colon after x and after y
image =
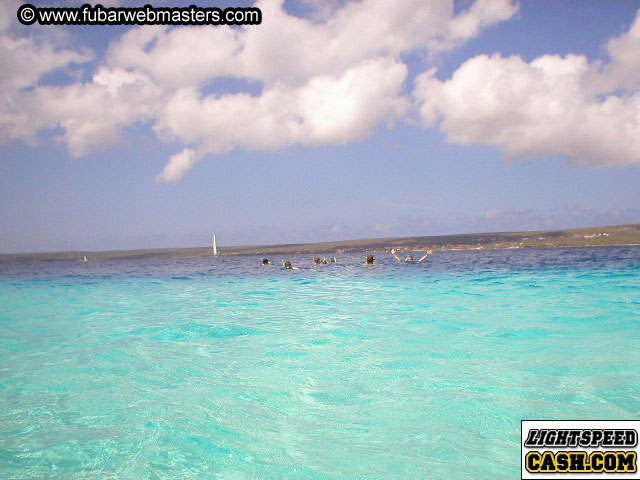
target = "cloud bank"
x: 552, y: 106
x: 325, y: 80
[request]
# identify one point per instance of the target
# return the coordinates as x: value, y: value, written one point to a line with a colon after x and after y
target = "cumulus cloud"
x: 178, y: 165
x: 482, y: 14
x: 290, y: 49
x: 552, y: 106
x: 624, y: 68
x: 93, y: 115
x: 285, y: 48
x: 325, y: 110
x: 325, y: 80
x: 25, y: 60
x: 27, y: 53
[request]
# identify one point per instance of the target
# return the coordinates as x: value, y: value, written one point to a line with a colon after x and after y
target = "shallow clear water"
x: 222, y: 368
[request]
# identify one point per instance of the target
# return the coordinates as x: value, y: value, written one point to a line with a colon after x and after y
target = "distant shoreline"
x: 620, y: 235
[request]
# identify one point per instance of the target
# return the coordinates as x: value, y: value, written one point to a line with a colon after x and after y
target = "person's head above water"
x: 369, y: 260
x: 316, y: 260
x: 409, y: 258
x: 287, y: 265
x: 265, y: 261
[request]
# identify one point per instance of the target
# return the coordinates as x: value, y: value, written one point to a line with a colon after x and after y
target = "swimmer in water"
x: 265, y: 261
x: 287, y: 265
x: 369, y: 260
x: 409, y: 258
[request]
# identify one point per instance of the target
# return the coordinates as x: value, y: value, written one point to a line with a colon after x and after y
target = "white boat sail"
x: 215, y: 246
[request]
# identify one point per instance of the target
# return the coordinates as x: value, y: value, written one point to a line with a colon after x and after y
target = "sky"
x: 330, y: 120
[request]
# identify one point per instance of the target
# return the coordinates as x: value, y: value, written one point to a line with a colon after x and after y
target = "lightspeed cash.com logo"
x: 575, y: 449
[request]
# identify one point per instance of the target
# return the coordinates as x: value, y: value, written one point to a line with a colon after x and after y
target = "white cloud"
x: 25, y: 60
x: 552, y: 106
x: 624, y: 68
x: 324, y: 81
x: 482, y: 14
x: 178, y: 165
x: 327, y: 80
x: 92, y: 115
x: 177, y: 58
x: 285, y: 48
x: 325, y: 110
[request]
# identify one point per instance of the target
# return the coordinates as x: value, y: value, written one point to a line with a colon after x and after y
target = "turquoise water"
x: 222, y: 368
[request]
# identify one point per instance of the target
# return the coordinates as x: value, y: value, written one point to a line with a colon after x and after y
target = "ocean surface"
x: 222, y: 368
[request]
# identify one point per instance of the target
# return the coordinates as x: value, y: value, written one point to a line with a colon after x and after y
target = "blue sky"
x: 331, y: 120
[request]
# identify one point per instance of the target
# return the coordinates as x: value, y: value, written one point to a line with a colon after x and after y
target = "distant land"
x: 580, y: 237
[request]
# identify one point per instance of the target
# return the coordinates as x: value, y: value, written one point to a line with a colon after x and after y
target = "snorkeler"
x: 369, y: 260
x: 409, y: 258
x: 265, y: 261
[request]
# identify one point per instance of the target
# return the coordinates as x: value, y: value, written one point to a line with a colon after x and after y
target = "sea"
x: 221, y: 368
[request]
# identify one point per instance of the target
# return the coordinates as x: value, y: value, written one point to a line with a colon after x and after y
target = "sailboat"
x: 215, y: 246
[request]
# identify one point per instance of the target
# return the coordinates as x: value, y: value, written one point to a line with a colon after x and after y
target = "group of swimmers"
x: 368, y: 260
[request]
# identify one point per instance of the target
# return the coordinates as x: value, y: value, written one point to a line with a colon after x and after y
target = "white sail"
x: 215, y: 246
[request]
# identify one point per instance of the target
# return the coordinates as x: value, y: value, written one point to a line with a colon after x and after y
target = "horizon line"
x: 312, y: 243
